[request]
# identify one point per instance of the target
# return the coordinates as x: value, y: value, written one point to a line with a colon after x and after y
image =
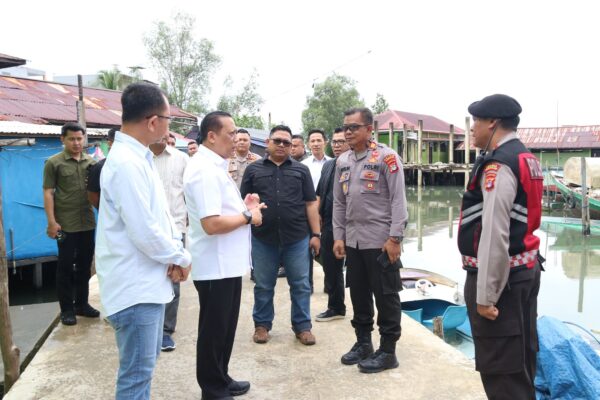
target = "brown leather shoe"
x: 306, y: 338
x: 261, y: 335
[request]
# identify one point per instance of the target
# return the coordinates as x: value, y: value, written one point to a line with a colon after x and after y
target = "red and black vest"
x: 525, y: 215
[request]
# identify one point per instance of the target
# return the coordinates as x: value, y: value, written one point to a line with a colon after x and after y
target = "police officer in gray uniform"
x: 369, y: 217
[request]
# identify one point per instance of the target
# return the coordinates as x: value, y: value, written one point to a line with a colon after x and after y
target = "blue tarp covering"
x: 568, y: 368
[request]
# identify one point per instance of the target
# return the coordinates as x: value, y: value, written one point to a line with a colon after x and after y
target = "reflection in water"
x: 570, y: 288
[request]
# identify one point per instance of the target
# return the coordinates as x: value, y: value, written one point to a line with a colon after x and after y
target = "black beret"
x: 495, y: 106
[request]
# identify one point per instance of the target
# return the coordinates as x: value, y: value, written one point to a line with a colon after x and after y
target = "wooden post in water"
x: 467, y: 148
x: 438, y: 327
x: 582, y: 274
x: 585, y: 204
x: 404, y: 144
x: 451, y: 146
x: 391, y: 138
x: 376, y: 130
x: 420, y: 154
x: 10, y: 352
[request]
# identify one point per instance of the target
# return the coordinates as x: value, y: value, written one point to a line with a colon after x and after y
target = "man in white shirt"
x: 138, y: 248
x: 317, y: 142
x: 170, y: 164
x: 219, y: 235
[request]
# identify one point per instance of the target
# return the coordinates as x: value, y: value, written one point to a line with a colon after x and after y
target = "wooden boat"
x: 572, y: 193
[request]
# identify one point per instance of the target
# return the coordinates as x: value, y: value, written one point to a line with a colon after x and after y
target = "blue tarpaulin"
x: 568, y: 368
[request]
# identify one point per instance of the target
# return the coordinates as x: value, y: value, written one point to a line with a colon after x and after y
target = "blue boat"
x: 427, y: 295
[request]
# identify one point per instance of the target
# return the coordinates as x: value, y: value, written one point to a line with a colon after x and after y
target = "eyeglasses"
x: 279, y: 142
x: 353, y: 127
x: 160, y: 116
x: 338, y: 142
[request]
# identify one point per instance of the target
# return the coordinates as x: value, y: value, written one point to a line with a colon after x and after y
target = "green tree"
x: 245, y: 105
x: 381, y: 104
x: 110, y: 79
x: 325, y: 108
x: 184, y: 64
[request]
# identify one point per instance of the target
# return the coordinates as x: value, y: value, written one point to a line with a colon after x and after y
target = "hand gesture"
x: 256, y: 212
x: 252, y: 201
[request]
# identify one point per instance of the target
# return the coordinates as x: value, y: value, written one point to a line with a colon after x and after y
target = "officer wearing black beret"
x: 500, y: 211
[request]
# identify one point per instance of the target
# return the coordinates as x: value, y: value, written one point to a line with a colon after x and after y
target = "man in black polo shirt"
x: 286, y: 187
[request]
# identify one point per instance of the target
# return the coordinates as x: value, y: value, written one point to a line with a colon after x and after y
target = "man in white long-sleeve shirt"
x: 138, y: 247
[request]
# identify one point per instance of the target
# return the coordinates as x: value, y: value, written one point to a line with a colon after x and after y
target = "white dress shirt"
x: 171, y: 164
x: 136, y: 237
x: 210, y: 190
x: 315, y: 167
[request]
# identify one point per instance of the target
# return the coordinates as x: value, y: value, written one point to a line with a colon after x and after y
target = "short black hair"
x: 510, y: 124
x: 297, y: 136
x: 242, y: 130
x: 338, y: 130
x: 365, y: 114
x: 140, y: 100
x: 192, y: 142
x: 71, y: 126
x: 313, y: 131
x: 111, y: 134
x: 281, y: 128
x: 211, y: 122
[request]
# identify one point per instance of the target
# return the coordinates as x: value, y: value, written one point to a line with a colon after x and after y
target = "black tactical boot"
x: 377, y: 362
x: 362, y: 349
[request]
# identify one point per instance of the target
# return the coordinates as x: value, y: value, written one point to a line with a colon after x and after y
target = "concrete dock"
x: 80, y: 362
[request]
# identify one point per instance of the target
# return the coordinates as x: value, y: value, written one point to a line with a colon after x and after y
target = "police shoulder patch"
x: 490, y: 171
x: 392, y: 163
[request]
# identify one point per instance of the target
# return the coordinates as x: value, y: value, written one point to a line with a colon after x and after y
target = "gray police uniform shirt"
x: 492, y: 253
x: 369, y: 199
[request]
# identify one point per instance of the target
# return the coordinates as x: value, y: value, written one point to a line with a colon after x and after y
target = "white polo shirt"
x: 209, y: 190
x: 315, y: 166
x: 136, y: 238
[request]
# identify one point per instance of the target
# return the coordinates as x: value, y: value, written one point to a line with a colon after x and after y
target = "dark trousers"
x: 75, y: 254
x: 367, y: 279
x: 505, y: 349
x: 219, y: 312
x: 172, y: 307
x: 334, y: 274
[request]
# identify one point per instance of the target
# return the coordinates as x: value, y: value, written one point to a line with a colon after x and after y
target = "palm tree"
x: 110, y: 79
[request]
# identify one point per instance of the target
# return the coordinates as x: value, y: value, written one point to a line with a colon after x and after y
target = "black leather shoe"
x: 87, y: 311
x: 238, y: 388
x: 358, y: 352
x: 379, y: 361
x: 68, y: 318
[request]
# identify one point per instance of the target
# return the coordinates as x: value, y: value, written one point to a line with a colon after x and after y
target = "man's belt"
x: 514, y: 261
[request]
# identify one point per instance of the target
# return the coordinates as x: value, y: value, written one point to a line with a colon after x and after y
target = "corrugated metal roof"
x: 7, y: 61
x: 565, y: 137
x: 23, y: 129
x: 30, y: 100
x: 399, y: 118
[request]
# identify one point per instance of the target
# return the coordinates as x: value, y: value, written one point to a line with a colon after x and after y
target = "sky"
x: 428, y: 57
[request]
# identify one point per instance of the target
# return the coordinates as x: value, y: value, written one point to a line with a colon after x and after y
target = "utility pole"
x: 10, y: 352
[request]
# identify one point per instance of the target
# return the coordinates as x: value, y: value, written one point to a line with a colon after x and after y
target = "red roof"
x: 566, y: 137
x: 399, y: 118
x: 35, y: 101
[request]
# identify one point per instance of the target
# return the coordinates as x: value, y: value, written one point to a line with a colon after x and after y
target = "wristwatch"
x: 396, y: 239
x: 317, y: 235
x: 248, y: 216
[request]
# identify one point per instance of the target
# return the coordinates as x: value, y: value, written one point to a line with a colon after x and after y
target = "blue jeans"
x: 138, y: 330
x: 266, y: 259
